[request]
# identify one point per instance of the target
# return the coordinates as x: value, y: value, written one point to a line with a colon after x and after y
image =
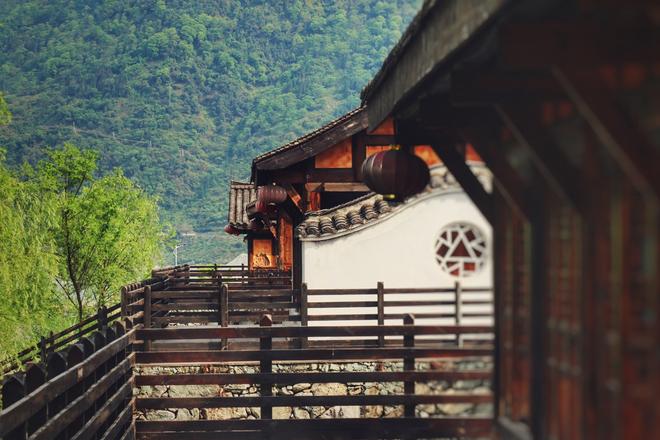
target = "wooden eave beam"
x: 315, y: 144
x: 614, y: 129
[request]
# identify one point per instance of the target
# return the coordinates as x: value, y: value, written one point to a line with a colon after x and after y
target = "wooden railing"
x: 82, y: 392
x: 265, y: 346
x: 55, y: 341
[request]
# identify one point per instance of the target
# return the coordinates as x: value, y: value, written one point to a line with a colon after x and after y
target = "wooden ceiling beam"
x: 616, y: 131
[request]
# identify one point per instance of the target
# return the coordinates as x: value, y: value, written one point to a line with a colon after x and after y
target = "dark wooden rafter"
x: 456, y: 165
x: 614, y: 129
x: 548, y: 158
x: 508, y: 181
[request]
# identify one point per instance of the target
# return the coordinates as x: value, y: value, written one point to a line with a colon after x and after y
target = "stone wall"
x: 318, y: 389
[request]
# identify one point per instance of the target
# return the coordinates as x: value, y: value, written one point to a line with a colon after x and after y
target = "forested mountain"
x: 182, y: 94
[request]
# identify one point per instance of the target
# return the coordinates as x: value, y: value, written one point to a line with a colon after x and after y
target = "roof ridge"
x: 309, y: 135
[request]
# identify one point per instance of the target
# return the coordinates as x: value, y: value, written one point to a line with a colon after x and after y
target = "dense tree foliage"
x: 106, y: 231
x: 68, y: 241
x: 182, y: 95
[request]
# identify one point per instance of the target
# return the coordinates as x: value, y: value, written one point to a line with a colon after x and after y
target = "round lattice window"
x: 460, y: 249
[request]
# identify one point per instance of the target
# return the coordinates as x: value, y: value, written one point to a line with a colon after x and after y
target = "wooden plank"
x: 282, y: 332
x: 274, y: 401
x: 304, y: 377
x: 464, y: 427
x: 187, y: 357
x: 20, y: 411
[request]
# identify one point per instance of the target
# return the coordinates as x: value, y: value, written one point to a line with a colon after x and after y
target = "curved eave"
x: 382, y: 217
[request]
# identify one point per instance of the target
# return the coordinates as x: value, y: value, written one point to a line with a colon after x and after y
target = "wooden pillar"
x: 409, y: 364
x: 381, y: 310
x: 303, y: 313
x: 266, y: 366
x: 224, y: 310
x: 123, y: 298
x: 147, y: 315
x: 458, y: 304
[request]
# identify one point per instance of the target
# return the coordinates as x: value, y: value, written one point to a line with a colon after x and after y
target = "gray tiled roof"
x: 366, y: 210
x: 240, y: 195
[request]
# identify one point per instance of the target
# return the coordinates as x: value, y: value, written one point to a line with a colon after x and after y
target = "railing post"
x: 13, y: 390
x: 304, y: 316
x: 123, y: 298
x: 102, y: 317
x: 147, y: 314
x: 409, y: 364
x: 43, y: 351
x: 381, y: 311
x: 266, y: 366
x: 224, y: 310
x: 459, y: 310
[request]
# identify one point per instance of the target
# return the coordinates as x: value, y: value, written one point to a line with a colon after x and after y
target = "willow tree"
x: 107, y: 231
x: 27, y: 265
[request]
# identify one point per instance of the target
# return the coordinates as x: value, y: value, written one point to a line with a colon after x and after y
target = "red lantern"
x: 231, y: 229
x: 271, y: 194
x: 261, y: 207
x: 395, y: 173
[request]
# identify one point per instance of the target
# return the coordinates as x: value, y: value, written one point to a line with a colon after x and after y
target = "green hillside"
x: 182, y: 95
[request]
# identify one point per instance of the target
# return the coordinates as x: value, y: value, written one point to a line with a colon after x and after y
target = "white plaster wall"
x: 399, y: 251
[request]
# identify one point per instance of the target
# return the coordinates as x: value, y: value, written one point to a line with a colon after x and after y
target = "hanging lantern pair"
x: 396, y: 174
